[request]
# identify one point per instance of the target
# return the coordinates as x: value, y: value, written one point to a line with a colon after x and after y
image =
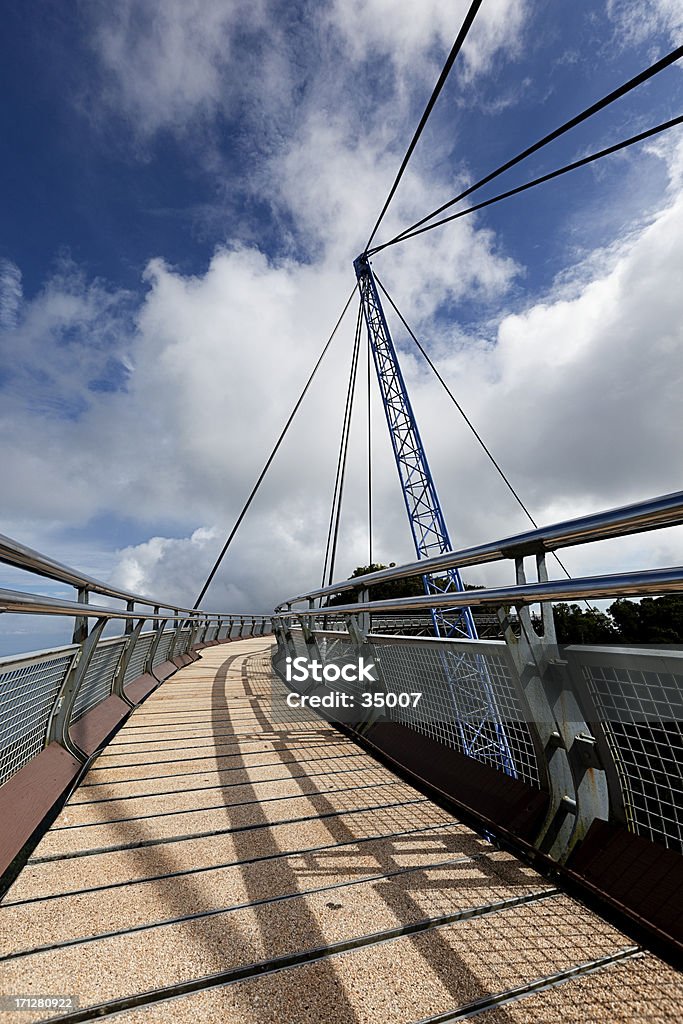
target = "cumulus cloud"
x: 166, y: 64
x: 404, y: 31
x: 590, y: 384
x: 577, y: 394
x: 10, y: 294
x: 85, y: 328
x: 161, y: 409
x: 638, y: 21
x: 171, y: 563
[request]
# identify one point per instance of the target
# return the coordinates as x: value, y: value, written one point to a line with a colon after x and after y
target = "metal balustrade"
x: 594, y: 734
x: 29, y: 687
x: 406, y: 667
x: 637, y: 698
x: 99, y: 678
x: 596, y: 731
x: 138, y: 659
x: 38, y: 689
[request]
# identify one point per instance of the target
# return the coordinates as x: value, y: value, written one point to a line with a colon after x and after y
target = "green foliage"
x: 576, y: 625
x: 410, y: 587
x: 653, y: 620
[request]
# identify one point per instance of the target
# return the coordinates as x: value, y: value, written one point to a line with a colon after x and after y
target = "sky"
x: 184, y: 185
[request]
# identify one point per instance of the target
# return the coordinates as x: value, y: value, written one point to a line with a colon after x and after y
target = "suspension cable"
x: 352, y: 391
x: 342, y: 445
x: 369, y: 399
x: 466, y: 418
x: 273, y: 453
x: 545, y: 177
x: 450, y: 61
x: 594, y: 108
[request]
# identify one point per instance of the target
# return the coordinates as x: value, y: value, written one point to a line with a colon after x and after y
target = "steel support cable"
x: 466, y: 418
x: 273, y: 453
x: 624, y: 144
x: 594, y: 108
x: 342, y: 444
x: 352, y: 385
x: 445, y: 71
x: 369, y: 399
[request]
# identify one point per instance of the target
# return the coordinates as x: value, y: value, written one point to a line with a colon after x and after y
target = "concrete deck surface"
x: 227, y: 859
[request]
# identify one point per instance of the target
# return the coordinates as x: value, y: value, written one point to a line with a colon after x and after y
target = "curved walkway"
x: 227, y: 859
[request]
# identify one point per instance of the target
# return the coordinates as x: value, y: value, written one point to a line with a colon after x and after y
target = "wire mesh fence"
x: 138, y: 659
x: 468, y: 699
x: 638, y: 701
x: 28, y: 690
x: 99, y: 677
x: 164, y: 647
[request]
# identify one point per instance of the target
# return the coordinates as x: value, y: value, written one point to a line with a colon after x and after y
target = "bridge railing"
x: 58, y: 707
x: 571, y: 753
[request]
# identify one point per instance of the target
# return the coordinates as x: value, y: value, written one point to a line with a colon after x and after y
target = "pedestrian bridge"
x: 180, y: 843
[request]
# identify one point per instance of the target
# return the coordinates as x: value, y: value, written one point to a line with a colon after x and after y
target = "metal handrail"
x: 37, y: 604
x: 633, y: 584
x: 22, y: 557
x: 653, y: 514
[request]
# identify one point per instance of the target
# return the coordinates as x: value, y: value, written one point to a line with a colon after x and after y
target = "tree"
x: 409, y: 587
x: 576, y: 625
x: 657, y: 620
x: 653, y: 620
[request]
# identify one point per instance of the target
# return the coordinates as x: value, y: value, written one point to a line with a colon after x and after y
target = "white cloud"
x: 578, y: 393
x: 171, y: 563
x: 640, y: 20
x: 168, y: 63
x: 406, y: 31
x: 10, y: 294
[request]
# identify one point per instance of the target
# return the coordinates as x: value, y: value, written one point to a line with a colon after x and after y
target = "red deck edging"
x: 95, y: 728
x: 480, y: 789
x: 27, y: 799
x: 139, y: 688
x: 639, y: 877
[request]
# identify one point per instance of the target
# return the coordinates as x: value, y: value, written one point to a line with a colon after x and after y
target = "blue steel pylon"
x: 480, y: 727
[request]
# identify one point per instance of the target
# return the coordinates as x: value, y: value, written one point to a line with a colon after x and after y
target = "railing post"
x: 364, y: 617
x: 364, y: 649
x: 60, y: 719
x: 128, y: 628
x: 194, y: 630
x: 81, y: 621
x: 577, y: 790
x: 176, y: 628
x: 307, y: 623
x: 290, y: 647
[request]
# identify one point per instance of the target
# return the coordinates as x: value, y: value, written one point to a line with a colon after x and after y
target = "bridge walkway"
x: 228, y: 859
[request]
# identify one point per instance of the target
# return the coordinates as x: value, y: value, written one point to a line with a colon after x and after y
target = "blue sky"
x: 183, y: 188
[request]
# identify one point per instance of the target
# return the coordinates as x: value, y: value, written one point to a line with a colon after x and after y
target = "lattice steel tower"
x: 425, y: 515
x: 481, y: 731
